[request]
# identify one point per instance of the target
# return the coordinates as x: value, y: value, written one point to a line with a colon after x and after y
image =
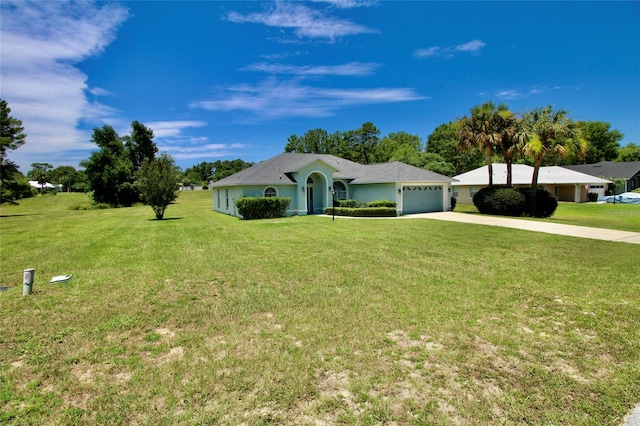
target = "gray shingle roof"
x: 277, y: 171
x: 608, y: 169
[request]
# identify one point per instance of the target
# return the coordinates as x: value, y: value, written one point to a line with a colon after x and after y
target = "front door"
x: 309, y: 200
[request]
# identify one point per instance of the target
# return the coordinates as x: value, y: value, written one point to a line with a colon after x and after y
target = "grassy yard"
x: 206, y: 319
x: 624, y: 217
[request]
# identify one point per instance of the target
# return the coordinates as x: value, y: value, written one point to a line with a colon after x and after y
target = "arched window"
x: 341, y: 190
x: 270, y: 191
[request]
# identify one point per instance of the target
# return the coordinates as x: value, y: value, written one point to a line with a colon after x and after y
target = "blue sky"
x: 225, y: 80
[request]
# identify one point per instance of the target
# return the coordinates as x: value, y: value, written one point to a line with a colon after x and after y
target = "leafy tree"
x: 316, y: 141
x: 40, y: 172
x: 483, y: 131
x: 11, y: 138
x: 109, y: 170
x: 140, y: 145
x: 112, y: 170
x: 158, y: 183
x: 549, y: 132
x: 400, y: 146
x: 444, y: 142
x: 436, y: 163
x: 67, y: 176
x: 408, y: 155
x: 361, y: 143
x: 11, y: 130
x: 222, y: 169
x: 630, y: 152
x: 602, y: 141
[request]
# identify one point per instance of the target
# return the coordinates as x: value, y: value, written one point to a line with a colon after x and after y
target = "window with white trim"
x: 270, y: 191
x: 341, y: 190
x: 472, y: 191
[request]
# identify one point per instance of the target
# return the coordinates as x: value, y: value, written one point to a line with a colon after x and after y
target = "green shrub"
x: 381, y: 203
x: 362, y: 211
x: 262, y: 207
x: 593, y: 196
x: 353, y: 204
x: 546, y: 203
x: 499, y: 200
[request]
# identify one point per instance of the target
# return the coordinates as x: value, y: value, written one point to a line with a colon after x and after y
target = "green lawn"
x: 624, y: 217
x: 206, y: 319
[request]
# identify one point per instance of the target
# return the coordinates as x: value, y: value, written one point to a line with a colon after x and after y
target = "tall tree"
x: 483, y: 130
x: 140, y: 144
x: 602, y: 141
x: 399, y: 145
x: 444, y: 142
x: 513, y: 138
x: 549, y: 133
x: 158, y: 183
x: 630, y: 152
x: 67, y: 176
x: 316, y: 141
x: 11, y: 138
x: 11, y: 130
x: 109, y: 170
x: 362, y: 143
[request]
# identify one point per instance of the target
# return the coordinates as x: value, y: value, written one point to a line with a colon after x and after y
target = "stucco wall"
x: 220, y: 204
x: 373, y: 192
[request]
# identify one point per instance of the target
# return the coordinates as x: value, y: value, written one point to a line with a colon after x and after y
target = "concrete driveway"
x: 533, y: 225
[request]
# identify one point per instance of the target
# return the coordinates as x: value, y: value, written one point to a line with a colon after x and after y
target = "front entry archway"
x: 316, y: 193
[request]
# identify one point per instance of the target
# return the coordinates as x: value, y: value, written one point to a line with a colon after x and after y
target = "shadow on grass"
x: 19, y: 215
x: 164, y: 219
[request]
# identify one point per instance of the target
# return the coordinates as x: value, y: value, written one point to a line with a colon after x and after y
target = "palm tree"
x: 549, y: 133
x: 483, y: 130
x: 513, y: 139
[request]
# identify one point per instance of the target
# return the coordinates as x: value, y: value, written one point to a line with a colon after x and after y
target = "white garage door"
x: 421, y: 199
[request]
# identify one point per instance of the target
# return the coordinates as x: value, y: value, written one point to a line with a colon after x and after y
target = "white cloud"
x: 474, y: 46
x: 41, y: 43
x: 167, y: 129
x: 275, y: 99
x: 198, y: 147
x: 349, y: 69
x: 303, y: 20
x: 425, y: 53
x: 510, y: 94
x: 348, y: 4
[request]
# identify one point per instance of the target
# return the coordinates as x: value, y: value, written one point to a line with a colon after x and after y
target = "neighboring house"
x: 312, y: 180
x: 35, y: 184
x: 629, y: 171
x: 565, y: 184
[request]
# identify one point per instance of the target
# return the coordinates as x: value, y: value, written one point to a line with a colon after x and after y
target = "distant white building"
x: 565, y: 184
x: 36, y: 185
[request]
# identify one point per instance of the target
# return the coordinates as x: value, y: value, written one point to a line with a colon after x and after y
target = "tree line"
x: 489, y: 133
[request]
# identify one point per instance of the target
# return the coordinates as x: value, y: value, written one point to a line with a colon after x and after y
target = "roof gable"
x: 279, y: 170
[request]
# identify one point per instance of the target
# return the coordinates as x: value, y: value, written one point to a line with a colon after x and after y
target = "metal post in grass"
x: 27, y: 281
x: 333, y: 204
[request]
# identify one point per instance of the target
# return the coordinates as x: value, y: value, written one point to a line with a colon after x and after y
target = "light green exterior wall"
x: 235, y: 192
x: 374, y: 192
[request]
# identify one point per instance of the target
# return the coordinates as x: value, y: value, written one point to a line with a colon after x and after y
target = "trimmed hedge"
x: 381, y: 203
x: 500, y: 200
x: 353, y: 204
x: 546, y: 203
x: 362, y: 211
x: 505, y: 201
x: 593, y: 197
x: 262, y: 207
